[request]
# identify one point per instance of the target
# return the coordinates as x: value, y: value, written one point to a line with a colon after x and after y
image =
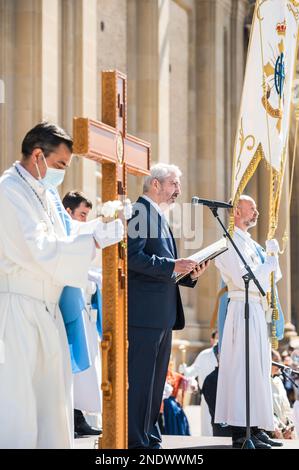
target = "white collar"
x: 154, y: 204
x: 244, y: 235
x: 38, y: 187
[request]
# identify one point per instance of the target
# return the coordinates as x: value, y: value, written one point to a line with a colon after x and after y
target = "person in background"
x: 203, y: 365
x: 283, y: 416
x: 295, y: 377
x: 175, y: 419
x: 209, y: 392
x: 87, y: 383
x: 287, y: 361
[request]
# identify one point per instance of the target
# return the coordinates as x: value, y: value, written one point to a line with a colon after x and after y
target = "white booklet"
x: 209, y: 252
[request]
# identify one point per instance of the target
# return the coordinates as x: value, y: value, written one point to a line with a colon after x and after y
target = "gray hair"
x: 244, y: 197
x: 160, y: 171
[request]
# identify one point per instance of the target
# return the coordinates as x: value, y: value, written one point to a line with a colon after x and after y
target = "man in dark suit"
x: 155, y: 306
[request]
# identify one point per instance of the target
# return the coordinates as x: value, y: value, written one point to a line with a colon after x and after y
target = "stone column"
x: 28, y: 66
x: 148, y: 78
x: 51, y: 61
x: 31, y: 61
x: 147, y: 73
x: 152, y: 75
x: 7, y: 77
x: 164, y: 81
x: 238, y: 58
x: 294, y: 237
x: 284, y: 286
x: 213, y: 131
x: 79, y: 78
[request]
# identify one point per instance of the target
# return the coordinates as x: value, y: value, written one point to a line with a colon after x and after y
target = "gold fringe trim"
x: 249, y: 172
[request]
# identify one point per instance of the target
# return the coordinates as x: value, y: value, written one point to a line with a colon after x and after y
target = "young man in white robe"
x: 37, y: 259
x: 87, y: 384
x: 230, y: 402
x: 203, y: 365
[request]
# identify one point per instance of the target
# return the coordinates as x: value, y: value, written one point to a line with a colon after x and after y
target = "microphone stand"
x: 285, y: 370
x: 286, y: 376
x: 249, y: 276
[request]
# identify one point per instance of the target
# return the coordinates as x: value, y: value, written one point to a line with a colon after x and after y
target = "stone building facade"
x: 185, y: 65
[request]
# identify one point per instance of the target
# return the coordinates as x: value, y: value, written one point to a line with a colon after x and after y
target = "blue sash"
x: 96, y: 303
x: 222, y: 312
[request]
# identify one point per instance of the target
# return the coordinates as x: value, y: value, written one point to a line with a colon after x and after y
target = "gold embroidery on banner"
x: 293, y: 7
x: 258, y: 12
x: 250, y: 170
x: 249, y: 147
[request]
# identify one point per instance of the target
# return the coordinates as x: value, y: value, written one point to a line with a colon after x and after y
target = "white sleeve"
x: 66, y: 260
x: 195, y: 369
x: 231, y: 267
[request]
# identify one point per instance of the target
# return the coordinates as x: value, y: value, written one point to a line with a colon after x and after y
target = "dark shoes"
x: 82, y: 427
x: 239, y: 443
x: 262, y: 436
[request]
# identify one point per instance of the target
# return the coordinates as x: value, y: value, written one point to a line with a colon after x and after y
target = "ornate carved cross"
x: 109, y: 143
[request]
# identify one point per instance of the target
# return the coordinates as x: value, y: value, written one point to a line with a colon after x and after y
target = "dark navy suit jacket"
x: 154, y: 299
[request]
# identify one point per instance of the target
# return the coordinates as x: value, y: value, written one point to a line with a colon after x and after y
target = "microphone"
x: 209, y: 203
x: 283, y: 367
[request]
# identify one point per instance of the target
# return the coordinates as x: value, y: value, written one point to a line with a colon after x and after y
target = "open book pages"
x: 209, y: 252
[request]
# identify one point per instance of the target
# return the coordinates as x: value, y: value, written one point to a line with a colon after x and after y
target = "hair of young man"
x: 46, y: 136
x: 214, y: 333
x: 73, y: 199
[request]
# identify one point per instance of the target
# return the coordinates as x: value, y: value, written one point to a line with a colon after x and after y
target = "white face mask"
x: 53, y: 177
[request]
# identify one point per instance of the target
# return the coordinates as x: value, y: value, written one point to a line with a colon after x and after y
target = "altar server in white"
x: 230, y: 403
x: 203, y: 365
x: 37, y: 259
x: 87, y: 383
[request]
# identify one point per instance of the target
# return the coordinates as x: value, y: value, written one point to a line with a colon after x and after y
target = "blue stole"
x: 222, y: 311
x: 96, y: 303
x: 71, y: 305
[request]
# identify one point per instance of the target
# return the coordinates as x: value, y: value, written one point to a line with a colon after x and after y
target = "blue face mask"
x: 53, y: 176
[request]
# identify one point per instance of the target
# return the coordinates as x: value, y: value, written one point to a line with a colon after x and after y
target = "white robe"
x: 203, y: 365
x: 230, y: 402
x: 36, y: 260
x: 281, y: 405
x: 87, y: 384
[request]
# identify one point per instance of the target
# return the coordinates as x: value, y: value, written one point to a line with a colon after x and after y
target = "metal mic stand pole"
x: 248, y: 444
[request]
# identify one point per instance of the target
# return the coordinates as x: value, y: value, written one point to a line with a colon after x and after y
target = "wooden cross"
x: 108, y: 143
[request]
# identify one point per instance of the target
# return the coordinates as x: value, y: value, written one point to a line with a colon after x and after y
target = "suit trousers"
x: 149, y: 354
